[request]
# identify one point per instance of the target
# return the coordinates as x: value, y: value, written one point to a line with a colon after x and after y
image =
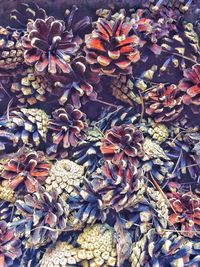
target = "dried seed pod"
x: 29, y: 168
x: 44, y: 216
x: 164, y: 103
x: 66, y: 129
x: 112, y: 48
x: 190, y: 85
x: 30, y: 87
x: 11, y: 51
x: 159, y: 132
x: 29, y: 126
x: 64, y: 176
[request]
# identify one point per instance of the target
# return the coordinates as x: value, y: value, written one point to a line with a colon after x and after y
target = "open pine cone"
x: 49, y: 46
x: 112, y: 48
x: 190, y: 85
x: 122, y: 144
x: 66, y: 128
x: 29, y: 168
x: 164, y: 103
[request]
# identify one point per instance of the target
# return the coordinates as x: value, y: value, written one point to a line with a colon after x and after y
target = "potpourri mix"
x: 100, y: 137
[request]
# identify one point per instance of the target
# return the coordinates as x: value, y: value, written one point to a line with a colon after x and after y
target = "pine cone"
x: 78, y: 84
x: 122, y: 143
x: 66, y: 129
x: 169, y: 249
x: 28, y: 125
x: 6, y: 193
x: 159, y: 132
x: 49, y: 46
x: 127, y: 90
x: 10, y: 246
x: 185, y: 213
x: 25, y: 13
x: 164, y: 103
x: 97, y: 247
x: 30, y: 87
x: 88, y: 153
x: 112, y: 48
x: 29, y: 168
x: 40, y: 211
x: 115, y: 186
x: 190, y: 85
x: 64, y: 176
x: 11, y: 52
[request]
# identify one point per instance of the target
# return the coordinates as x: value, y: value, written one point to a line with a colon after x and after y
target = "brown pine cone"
x: 31, y: 87
x: 190, y: 85
x: 30, y: 168
x: 122, y: 143
x: 164, y: 103
x: 29, y: 126
x: 49, y: 46
x: 66, y: 128
x: 11, y: 51
x: 112, y: 48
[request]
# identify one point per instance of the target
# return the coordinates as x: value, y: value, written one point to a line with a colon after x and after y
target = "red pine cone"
x: 112, y: 48
x: 121, y: 143
x: 29, y: 168
x: 164, y: 103
x: 190, y: 85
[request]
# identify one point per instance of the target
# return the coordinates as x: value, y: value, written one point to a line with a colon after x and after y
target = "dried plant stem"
x: 105, y: 103
x: 178, y: 55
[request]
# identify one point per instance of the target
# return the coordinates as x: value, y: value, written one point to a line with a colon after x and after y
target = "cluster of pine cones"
x: 100, y: 137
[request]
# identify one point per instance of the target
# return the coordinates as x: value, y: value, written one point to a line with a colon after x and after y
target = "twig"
x: 105, y: 103
x: 176, y: 54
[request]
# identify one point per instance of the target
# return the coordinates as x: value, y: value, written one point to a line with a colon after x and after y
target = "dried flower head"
x: 29, y: 168
x: 112, y: 48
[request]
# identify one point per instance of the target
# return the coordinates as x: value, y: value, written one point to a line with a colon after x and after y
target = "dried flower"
x: 66, y: 129
x: 10, y: 246
x: 112, y: 48
x: 190, y: 85
x: 29, y: 168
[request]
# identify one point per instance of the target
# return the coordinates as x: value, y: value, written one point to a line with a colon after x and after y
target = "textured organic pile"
x: 100, y: 137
